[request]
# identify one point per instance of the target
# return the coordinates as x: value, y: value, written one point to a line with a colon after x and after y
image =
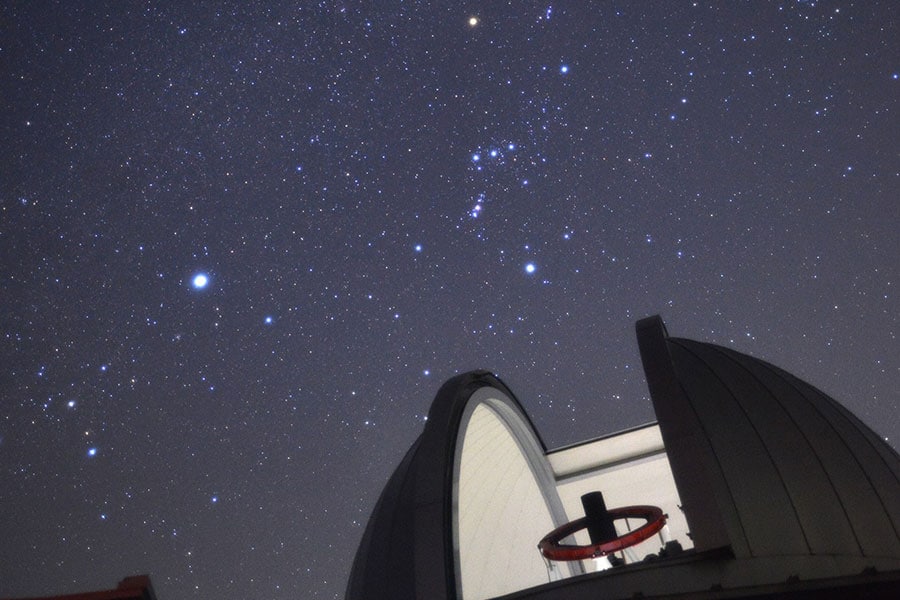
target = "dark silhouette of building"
x: 137, y: 587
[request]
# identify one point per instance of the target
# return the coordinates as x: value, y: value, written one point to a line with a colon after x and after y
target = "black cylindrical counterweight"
x: 599, y: 524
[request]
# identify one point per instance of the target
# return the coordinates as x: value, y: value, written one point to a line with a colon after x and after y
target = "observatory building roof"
x: 777, y: 482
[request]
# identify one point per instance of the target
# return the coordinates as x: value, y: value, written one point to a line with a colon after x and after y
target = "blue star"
x: 564, y: 69
x: 269, y: 320
x: 92, y: 451
x: 530, y: 268
x: 200, y: 281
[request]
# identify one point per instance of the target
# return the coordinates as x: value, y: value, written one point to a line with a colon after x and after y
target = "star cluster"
x: 243, y: 246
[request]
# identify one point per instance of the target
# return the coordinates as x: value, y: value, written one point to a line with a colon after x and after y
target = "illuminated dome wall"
x: 462, y: 514
x: 505, y: 499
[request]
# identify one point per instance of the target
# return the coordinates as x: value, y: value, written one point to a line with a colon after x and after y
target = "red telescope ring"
x: 552, y: 549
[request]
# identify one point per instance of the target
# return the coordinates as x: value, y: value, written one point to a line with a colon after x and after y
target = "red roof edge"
x: 134, y: 587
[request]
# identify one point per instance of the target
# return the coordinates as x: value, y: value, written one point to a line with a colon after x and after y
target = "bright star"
x: 200, y: 281
x: 473, y: 21
x: 530, y: 268
x: 92, y: 452
x: 564, y: 69
x: 269, y: 320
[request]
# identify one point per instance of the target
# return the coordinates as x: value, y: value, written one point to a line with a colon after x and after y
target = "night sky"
x: 241, y: 248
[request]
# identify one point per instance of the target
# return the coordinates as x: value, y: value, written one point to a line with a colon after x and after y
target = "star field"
x: 243, y: 246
